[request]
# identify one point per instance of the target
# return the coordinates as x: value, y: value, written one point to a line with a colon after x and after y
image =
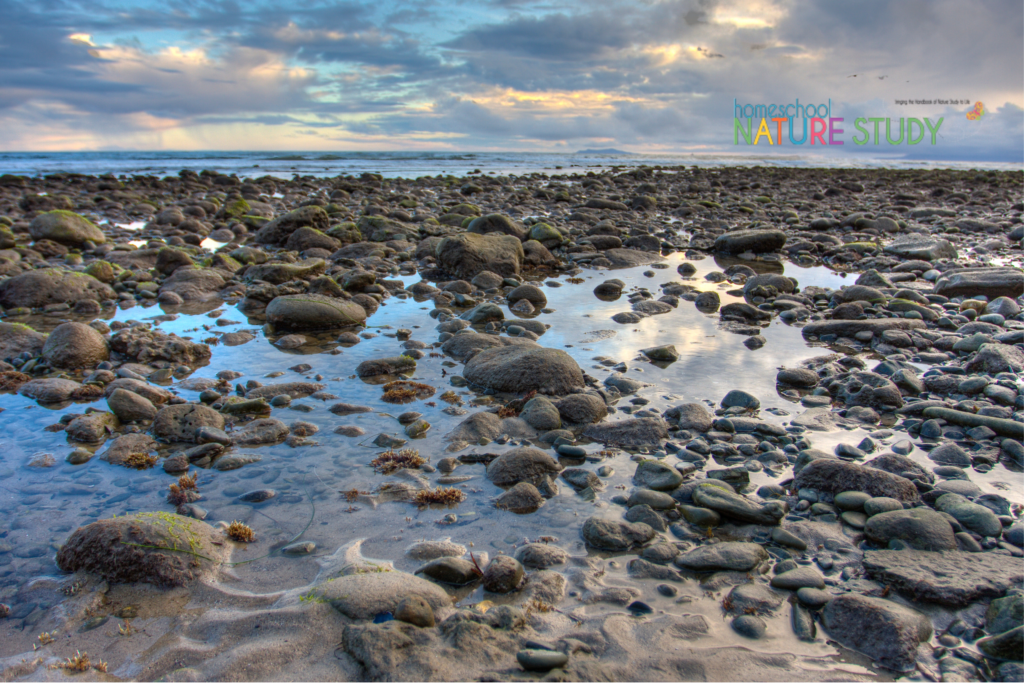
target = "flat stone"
x: 728, y: 556
x: 795, y: 579
x: 951, y: 577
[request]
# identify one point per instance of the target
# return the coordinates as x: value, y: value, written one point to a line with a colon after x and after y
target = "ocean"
x: 417, y: 164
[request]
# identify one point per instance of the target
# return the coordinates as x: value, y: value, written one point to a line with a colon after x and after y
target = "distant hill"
x: 608, y: 150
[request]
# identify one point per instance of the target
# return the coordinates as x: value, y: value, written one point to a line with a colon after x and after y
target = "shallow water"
x: 43, y: 505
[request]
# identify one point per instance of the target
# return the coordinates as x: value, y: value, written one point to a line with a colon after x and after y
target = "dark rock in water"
x: 836, y: 476
x: 1005, y: 646
x: 725, y: 556
x: 950, y: 577
x: 632, y: 433
x: 180, y: 422
x: 798, y: 377
x: 864, y: 389
x: 291, y: 389
x: 386, y: 366
x: 582, y: 408
x: 656, y: 475
x: 755, y: 241
x: 520, y: 369
x: 850, y: 328
x: 522, y: 464
x: 450, y: 570
x: 883, y: 630
x: 707, y: 302
x: 690, y: 416
x: 736, y: 506
x: 146, y: 346
x: 522, y: 498
x: 503, y: 575
x: 114, y: 549
x: 607, y: 534
x: 75, y: 345
x: 258, y: 496
x: 313, y: 312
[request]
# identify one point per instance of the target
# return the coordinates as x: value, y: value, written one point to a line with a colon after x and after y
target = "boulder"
x: 38, y: 288
x: 298, y: 312
x: 161, y: 548
x: 522, y: 464
x: 365, y: 595
x: 632, y: 433
x: 836, y: 476
x: 468, y: 254
x: 582, y: 408
x: 75, y: 345
x: 990, y: 282
x: 948, y: 577
x: 755, y: 241
x: 521, y: 369
x: 277, y: 231
x: 65, y: 227
x: 736, y: 506
x: 616, y: 536
x: 178, y: 423
x: 919, y: 528
x: 725, y: 556
x: 146, y: 346
x: 887, y: 632
x: 923, y: 247
x: 16, y: 338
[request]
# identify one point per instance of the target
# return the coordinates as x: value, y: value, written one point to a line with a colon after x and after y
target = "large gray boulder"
x: 837, y: 476
x: 521, y: 369
x: 313, y: 312
x: 948, y: 577
x: 887, y: 632
x: 469, y: 254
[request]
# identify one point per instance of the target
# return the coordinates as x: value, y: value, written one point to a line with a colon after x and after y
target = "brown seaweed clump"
x: 11, y: 380
x: 451, y: 397
x: 185, y: 491
x: 390, y: 462
x: 140, y: 461
x: 449, y: 496
x: 405, y: 391
x: 241, y: 532
x: 87, y: 392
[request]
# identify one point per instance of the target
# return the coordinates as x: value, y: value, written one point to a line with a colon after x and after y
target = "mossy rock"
x: 65, y: 227
x: 236, y: 209
x: 161, y: 548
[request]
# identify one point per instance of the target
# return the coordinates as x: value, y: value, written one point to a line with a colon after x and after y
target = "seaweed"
x: 79, y: 663
x: 449, y: 496
x: 241, y: 532
x: 140, y: 461
x: 87, y: 392
x: 11, y: 380
x: 451, y: 397
x: 405, y: 391
x: 185, y: 491
x: 390, y: 462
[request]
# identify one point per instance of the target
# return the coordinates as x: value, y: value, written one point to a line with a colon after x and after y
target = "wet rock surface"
x: 423, y: 415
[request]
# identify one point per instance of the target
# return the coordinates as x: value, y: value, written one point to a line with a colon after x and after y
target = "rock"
x: 180, y: 422
x: 950, y: 454
x: 740, y: 399
x: 416, y: 611
x: 469, y: 254
x: 541, y: 660
x: 193, y: 284
x: 313, y: 312
x: 633, y: 433
x: 801, y: 577
x: 665, y: 354
x: 995, y: 358
x: 606, y: 534
x: 523, y: 498
x: 787, y: 538
x: 900, y: 465
x: 798, y: 377
x: 523, y: 464
x: 123, y: 446
x: 724, y: 556
x: 503, y: 575
x: 923, y: 247
x: 949, y: 577
x: 750, y: 626
x: 580, y: 478
x: 1005, y: 614
x: 865, y: 389
x: 885, y: 631
x: 541, y: 414
x: 815, y: 419
x: 386, y: 366
x: 541, y: 555
x: 691, y: 417
x: 38, y: 288
x: 261, y: 432
x: 973, y: 517
x: 919, y: 528
x: 535, y: 295
x: 365, y: 595
x: 293, y: 390
x: 1005, y: 646
x: 707, y: 302
x: 146, y: 346
x: 277, y: 231
x: 450, y: 570
x: 754, y: 598
x: 835, y: 476
x: 582, y: 408
x: 49, y: 390
x: 65, y: 227
x: 520, y: 369
x: 628, y: 258
x: 431, y: 550
x: 91, y: 427
x: 75, y: 345
x: 815, y: 598
x: 113, y: 549
x: 280, y: 273
x: 736, y: 506
x: 656, y: 475
x: 851, y: 328
x: 990, y: 282
x: 16, y: 339
x: 755, y: 241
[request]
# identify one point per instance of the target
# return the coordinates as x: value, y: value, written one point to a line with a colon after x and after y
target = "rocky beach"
x: 624, y: 423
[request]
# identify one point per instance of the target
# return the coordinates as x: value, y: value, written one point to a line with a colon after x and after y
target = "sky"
x: 647, y: 76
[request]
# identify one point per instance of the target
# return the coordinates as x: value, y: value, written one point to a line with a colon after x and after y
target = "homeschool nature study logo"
x: 795, y: 124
